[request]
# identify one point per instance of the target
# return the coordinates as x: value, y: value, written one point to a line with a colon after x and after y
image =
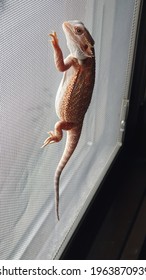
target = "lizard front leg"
x: 61, y: 64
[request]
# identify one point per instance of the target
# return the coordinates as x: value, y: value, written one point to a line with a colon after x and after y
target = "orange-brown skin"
x: 75, y: 91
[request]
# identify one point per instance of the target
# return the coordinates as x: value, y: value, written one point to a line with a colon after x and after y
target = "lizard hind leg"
x: 56, y: 135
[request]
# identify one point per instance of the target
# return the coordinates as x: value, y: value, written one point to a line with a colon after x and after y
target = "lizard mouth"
x: 66, y: 26
x: 77, y: 44
x: 68, y: 30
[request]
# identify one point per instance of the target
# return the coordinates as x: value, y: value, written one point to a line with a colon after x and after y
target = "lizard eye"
x: 78, y: 31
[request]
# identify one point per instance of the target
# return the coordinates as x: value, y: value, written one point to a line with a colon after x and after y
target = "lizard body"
x: 75, y: 90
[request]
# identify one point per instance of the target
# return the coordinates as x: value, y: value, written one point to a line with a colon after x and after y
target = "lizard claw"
x: 49, y: 140
x: 54, y: 37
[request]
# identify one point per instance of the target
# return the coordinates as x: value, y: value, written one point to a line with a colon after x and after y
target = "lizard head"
x: 79, y: 40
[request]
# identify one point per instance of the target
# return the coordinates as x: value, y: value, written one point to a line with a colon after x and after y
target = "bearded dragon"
x: 75, y: 90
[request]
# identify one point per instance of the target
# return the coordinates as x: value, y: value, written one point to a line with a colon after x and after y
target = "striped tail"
x: 73, y: 136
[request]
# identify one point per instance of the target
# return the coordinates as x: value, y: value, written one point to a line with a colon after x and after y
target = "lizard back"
x: 74, y: 94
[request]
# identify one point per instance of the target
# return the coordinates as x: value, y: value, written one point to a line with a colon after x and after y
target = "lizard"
x: 75, y: 90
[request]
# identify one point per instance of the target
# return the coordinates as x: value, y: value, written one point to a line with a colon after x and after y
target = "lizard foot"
x: 54, y: 40
x: 49, y: 140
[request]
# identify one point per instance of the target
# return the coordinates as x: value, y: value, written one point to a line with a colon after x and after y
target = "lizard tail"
x: 73, y: 136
